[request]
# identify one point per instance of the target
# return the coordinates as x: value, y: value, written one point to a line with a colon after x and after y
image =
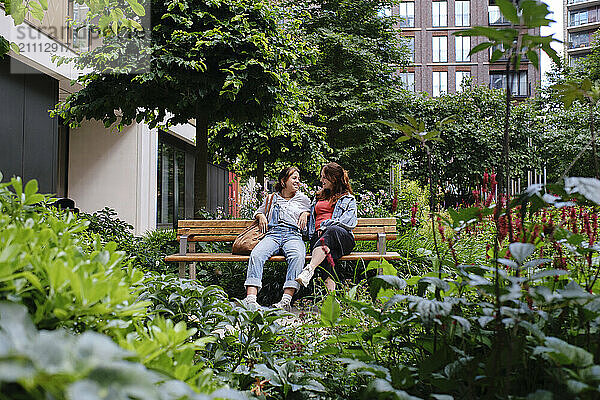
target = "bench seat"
x: 355, y: 256
x: 191, y: 231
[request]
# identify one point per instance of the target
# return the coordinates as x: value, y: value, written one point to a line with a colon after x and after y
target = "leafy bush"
x: 146, y: 252
x: 151, y: 249
x: 68, y: 279
x: 515, y: 328
x: 43, y: 266
x: 55, y: 364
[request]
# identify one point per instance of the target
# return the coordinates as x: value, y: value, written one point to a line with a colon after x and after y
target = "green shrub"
x: 42, y: 265
x: 58, y: 365
x: 151, y: 249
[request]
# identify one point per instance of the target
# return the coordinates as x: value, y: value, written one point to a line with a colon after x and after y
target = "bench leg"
x: 193, y: 271
x: 380, y: 249
x: 181, y: 270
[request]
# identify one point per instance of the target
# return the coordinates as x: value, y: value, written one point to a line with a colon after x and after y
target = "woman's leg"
x: 259, y: 255
x: 333, y: 244
x: 319, y: 254
x: 330, y: 284
x: 295, y: 254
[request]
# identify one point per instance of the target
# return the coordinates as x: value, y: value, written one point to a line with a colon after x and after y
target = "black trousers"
x: 340, y: 243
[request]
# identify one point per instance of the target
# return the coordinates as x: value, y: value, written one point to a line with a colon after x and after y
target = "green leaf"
x: 521, y: 251
x: 437, y: 282
x: 587, y: 187
x: 15, y: 47
x: 508, y: 10
x: 533, y: 57
x: 36, y: 11
x: 496, y: 55
x: 548, y: 272
x: 564, y: 353
x: 540, y: 395
x: 136, y: 7
x: 330, y: 310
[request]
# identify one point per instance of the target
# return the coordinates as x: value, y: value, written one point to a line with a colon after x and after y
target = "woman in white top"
x: 288, y: 215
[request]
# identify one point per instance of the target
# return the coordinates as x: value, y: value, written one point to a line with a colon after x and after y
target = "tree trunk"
x: 260, y: 172
x: 593, y: 132
x: 201, y: 165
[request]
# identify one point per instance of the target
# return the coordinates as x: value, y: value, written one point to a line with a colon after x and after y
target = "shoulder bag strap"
x: 269, y: 204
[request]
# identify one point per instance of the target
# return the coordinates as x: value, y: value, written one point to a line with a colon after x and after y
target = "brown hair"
x: 338, y: 177
x: 284, y: 175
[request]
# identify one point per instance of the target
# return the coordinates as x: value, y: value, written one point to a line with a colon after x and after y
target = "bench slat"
x: 221, y: 257
x: 214, y: 223
x: 242, y: 223
x: 231, y: 238
x: 237, y: 231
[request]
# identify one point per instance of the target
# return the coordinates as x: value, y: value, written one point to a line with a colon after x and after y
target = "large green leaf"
x: 564, y: 353
x: 508, y: 10
x: 330, y: 310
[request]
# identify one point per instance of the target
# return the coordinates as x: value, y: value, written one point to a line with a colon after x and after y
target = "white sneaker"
x: 252, y: 304
x: 305, y: 276
x: 283, y: 306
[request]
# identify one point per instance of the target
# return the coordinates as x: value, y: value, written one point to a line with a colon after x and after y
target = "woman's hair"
x: 338, y: 177
x: 284, y: 175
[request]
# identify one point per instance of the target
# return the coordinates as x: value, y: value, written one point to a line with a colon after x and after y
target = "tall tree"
x: 109, y: 14
x: 514, y: 44
x: 207, y: 60
x: 353, y: 81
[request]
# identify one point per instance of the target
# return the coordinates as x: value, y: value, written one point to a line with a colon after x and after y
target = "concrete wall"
x: 116, y: 170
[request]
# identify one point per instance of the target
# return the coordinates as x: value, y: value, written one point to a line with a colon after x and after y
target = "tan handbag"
x: 250, y: 236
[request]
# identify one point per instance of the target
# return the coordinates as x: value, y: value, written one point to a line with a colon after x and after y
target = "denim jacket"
x: 344, y: 215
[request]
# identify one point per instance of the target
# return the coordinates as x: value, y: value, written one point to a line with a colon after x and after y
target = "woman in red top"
x: 333, y: 216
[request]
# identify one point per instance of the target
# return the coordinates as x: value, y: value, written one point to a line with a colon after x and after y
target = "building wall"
x: 28, y: 136
x: 584, y: 24
x: 116, y: 170
x: 478, y: 66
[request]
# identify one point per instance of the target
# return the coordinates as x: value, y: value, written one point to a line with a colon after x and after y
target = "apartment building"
x: 441, y: 61
x: 145, y: 174
x: 581, y: 21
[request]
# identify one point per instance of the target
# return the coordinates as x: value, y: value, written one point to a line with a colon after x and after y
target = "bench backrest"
x: 226, y: 230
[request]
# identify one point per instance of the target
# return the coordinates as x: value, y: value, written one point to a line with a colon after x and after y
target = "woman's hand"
x: 262, y: 222
x: 303, y: 219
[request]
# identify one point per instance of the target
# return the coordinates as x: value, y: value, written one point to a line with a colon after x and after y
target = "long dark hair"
x: 284, y: 175
x: 338, y: 177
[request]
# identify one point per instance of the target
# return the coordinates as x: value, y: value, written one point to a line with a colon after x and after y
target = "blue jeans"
x: 289, y: 241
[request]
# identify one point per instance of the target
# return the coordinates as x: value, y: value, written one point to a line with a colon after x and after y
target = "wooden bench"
x: 191, y: 231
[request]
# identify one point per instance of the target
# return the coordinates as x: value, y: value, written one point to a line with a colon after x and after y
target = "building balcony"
x: 579, y: 4
x: 579, y: 49
x: 590, y: 26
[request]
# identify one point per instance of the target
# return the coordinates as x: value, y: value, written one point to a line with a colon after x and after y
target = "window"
x: 578, y: 18
x: 170, y: 184
x: 440, y: 13
x: 462, y: 13
x: 587, y: 16
x: 81, y: 31
x: 496, y: 17
x: 440, y: 49
x: 408, y: 80
x: 410, y: 43
x: 461, y: 77
x: 518, y: 82
x: 579, y: 40
x: 407, y: 14
x: 463, y: 47
x: 440, y: 83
